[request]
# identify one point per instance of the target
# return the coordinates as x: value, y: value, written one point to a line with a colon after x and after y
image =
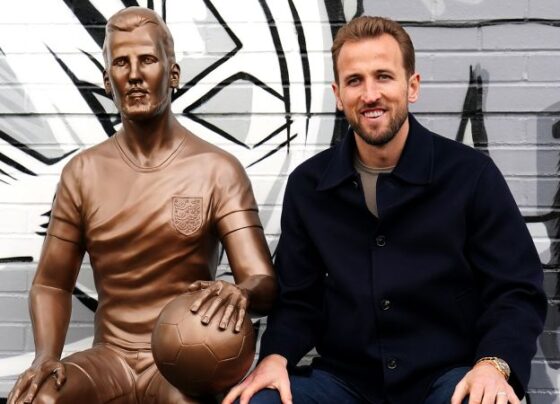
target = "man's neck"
x: 149, y: 142
x: 386, y: 155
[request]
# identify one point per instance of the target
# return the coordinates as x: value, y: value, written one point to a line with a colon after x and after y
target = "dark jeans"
x: 321, y: 387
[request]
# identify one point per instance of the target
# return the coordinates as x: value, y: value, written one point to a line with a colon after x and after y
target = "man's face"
x: 138, y: 73
x: 373, y: 89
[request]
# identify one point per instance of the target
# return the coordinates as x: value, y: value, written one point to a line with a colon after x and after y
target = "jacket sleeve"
x: 510, y: 277
x: 294, y: 322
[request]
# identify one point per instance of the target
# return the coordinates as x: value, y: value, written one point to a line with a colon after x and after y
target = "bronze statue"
x: 149, y: 205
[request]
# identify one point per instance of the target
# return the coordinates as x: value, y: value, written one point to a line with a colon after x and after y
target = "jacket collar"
x: 415, y: 165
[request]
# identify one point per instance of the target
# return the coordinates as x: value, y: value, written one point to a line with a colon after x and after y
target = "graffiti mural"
x: 256, y: 81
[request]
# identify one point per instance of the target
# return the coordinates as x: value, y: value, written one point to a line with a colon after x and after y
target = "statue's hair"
x: 130, y: 18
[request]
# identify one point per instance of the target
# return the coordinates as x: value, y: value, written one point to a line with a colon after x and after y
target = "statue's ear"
x: 175, y: 75
x: 107, y: 84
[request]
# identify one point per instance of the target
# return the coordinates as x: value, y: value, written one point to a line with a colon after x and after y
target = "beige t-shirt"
x: 368, y: 176
x: 149, y: 232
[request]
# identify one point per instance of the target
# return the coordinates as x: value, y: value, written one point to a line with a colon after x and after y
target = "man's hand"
x: 484, y: 384
x: 216, y: 294
x: 271, y: 373
x: 29, y: 382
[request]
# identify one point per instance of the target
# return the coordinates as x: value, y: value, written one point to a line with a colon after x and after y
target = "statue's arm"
x: 50, y: 305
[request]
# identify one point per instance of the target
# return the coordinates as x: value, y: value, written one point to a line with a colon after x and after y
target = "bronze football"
x: 200, y: 359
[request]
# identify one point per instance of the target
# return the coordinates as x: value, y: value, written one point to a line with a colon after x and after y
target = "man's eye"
x: 119, y: 62
x: 150, y: 60
x: 384, y: 77
x: 353, y: 81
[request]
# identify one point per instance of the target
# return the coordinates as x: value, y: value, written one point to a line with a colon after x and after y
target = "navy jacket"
x: 446, y: 275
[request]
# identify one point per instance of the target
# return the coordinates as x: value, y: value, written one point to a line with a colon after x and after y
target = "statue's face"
x: 138, y: 73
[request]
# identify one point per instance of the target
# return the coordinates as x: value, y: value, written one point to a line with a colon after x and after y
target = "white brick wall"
x: 513, y: 46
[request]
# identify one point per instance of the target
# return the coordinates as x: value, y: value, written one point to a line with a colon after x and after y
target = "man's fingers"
x: 475, y: 394
x: 236, y: 391
x: 21, y: 385
x: 285, y: 391
x: 460, y: 393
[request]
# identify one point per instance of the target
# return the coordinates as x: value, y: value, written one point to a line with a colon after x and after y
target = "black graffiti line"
x: 90, y: 18
x: 285, y: 74
x: 85, y: 299
x: 238, y: 45
x: 270, y: 153
x: 542, y: 218
x: 304, y: 63
x: 273, y: 134
x: 481, y: 23
x: 33, y: 153
x: 216, y: 129
x: 7, y: 175
x: 93, y: 60
x: 15, y: 259
x: 87, y: 90
x: 6, y: 160
x: 472, y: 111
x: 225, y: 83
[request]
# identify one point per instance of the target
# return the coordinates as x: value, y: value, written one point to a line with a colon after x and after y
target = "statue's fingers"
x: 21, y: 385
x: 242, y: 309
x: 205, y: 295
x: 211, y: 311
x: 228, y: 312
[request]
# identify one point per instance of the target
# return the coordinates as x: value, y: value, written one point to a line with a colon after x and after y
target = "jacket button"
x: 355, y: 184
x: 385, y: 304
x: 380, y: 241
x: 392, y: 364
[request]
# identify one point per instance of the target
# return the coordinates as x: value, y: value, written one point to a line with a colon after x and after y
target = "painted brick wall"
x: 256, y: 80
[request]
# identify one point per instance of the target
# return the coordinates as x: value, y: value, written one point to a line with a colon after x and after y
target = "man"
x: 403, y: 257
x: 150, y: 206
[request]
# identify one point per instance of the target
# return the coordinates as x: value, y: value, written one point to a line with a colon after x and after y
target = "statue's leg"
x: 95, y: 376
x: 160, y: 391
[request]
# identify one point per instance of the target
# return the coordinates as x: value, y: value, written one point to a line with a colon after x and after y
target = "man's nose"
x: 370, y: 93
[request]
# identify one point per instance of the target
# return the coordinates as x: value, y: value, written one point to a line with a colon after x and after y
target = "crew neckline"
x: 130, y: 162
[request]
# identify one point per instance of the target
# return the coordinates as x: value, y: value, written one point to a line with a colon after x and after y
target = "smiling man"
x: 150, y: 206
x: 403, y: 257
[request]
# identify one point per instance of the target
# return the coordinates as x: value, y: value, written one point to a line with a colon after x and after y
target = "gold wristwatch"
x: 500, y: 364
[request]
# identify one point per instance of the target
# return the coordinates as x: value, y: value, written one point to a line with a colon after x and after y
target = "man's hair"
x: 366, y: 27
x: 130, y: 18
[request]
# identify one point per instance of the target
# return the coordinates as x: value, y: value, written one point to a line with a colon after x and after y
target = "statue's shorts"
x: 108, y: 374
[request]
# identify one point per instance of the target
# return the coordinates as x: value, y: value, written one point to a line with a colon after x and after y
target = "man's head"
x: 140, y: 63
x: 374, y: 78
x: 366, y: 27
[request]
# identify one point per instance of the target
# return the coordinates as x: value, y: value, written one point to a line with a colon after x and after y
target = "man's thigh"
x: 94, y: 376
x: 319, y: 387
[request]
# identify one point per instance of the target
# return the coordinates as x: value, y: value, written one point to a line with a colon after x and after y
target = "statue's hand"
x: 29, y: 382
x: 216, y: 294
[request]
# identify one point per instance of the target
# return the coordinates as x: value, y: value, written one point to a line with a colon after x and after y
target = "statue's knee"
x: 46, y: 396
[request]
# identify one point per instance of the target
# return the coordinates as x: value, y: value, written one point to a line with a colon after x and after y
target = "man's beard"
x: 386, y: 136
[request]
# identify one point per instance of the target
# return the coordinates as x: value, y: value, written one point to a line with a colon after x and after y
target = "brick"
x: 547, y: 9
x: 13, y: 280
x: 494, y: 67
x: 544, y: 67
x: 12, y: 337
x: 436, y: 38
x: 520, y: 36
x: 400, y: 10
x: 486, y: 10
x: 13, y: 308
x: 525, y: 161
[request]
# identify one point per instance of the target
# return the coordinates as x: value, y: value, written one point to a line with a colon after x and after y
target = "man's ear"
x: 336, y: 92
x: 413, y: 88
x: 175, y: 75
x: 107, y: 84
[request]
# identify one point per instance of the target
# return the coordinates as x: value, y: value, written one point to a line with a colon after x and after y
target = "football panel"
x: 166, y: 343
